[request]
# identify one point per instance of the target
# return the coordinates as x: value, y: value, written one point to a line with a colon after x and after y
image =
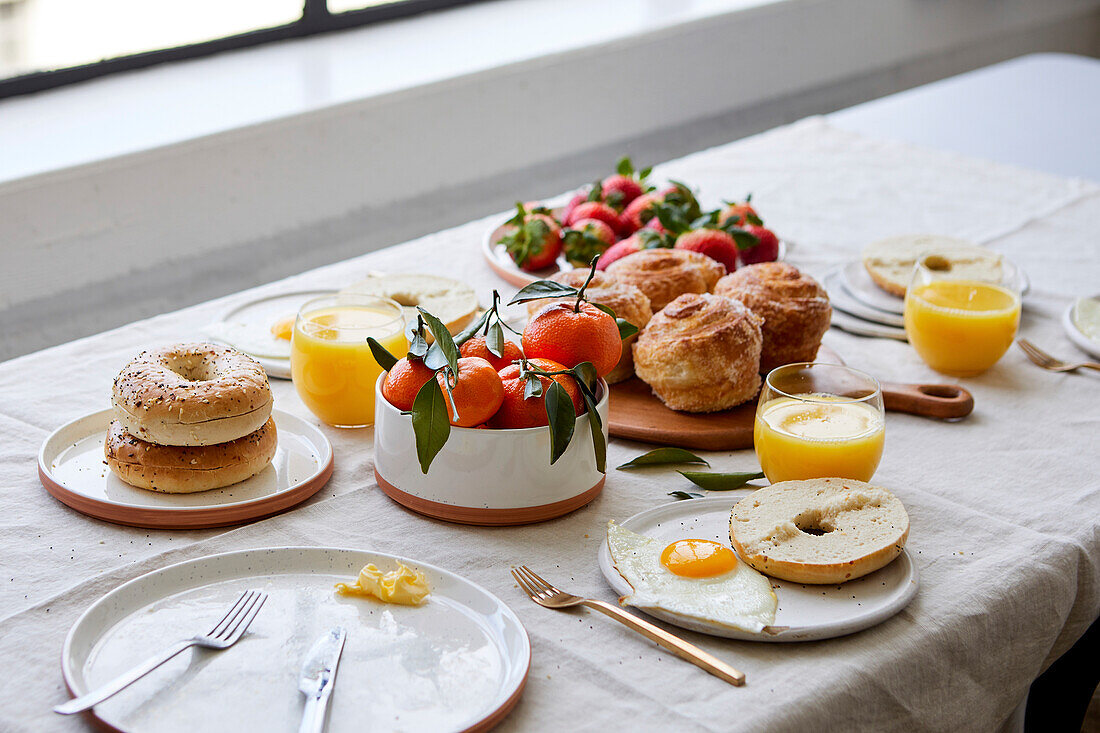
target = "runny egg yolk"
x: 283, y: 328
x: 698, y: 558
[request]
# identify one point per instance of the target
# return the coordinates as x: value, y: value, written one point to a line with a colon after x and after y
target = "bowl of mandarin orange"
x: 495, y: 426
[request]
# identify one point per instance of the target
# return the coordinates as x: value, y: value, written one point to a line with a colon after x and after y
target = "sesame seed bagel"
x: 191, y: 394
x: 186, y: 469
x: 822, y: 531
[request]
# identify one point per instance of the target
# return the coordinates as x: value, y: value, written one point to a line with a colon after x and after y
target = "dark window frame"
x: 316, y: 19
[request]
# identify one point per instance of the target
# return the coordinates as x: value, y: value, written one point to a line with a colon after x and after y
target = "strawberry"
x: 682, y: 197
x: 533, y: 240
x: 714, y: 243
x: 626, y: 185
x: 579, y: 198
x: 740, y: 213
x: 766, y: 248
x: 644, y: 239
x: 586, y: 239
x: 594, y: 210
x: 638, y: 212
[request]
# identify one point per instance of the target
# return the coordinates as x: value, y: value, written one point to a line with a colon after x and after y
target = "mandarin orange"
x: 477, y: 347
x: 569, y: 337
x: 517, y: 412
x: 404, y: 381
x: 477, y: 391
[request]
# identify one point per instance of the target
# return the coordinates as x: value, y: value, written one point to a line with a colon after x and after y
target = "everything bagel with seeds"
x: 191, y: 394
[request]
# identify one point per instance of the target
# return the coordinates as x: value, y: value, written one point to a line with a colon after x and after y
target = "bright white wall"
x: 669, y: 86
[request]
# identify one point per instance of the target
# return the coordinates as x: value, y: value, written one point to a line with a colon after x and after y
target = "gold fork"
x: 1046, y: 361
x: 548, y: 596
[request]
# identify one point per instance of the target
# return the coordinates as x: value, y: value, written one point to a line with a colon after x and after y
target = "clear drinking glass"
x: 818, y: 420
x: 961, y: 320
x: 331, y: 363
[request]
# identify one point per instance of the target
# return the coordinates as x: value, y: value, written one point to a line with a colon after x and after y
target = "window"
x: 47, y: 43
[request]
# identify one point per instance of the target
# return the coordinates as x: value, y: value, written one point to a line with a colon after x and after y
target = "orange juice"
x: 826, y: 437
x: 332, y: 365
x: 961, y: 327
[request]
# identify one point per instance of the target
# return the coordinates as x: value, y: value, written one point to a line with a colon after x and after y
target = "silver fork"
x: 548, y: 596
x: 1046, y: 361
x: 225, y: 634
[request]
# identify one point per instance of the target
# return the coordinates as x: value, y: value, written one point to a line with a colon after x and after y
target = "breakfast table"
x: 1004, y: 505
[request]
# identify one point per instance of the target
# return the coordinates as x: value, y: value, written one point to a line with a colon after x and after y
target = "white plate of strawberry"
x: 618, y: 216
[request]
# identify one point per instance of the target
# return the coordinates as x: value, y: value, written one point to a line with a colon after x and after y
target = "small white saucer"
x: 1075, y: 334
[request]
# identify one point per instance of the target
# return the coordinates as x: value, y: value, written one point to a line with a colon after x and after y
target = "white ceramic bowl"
x: 488, y: 477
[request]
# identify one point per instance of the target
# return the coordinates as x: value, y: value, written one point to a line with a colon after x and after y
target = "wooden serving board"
x: 635, y: 413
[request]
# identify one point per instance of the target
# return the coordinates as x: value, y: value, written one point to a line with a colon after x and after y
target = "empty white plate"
x: 806, y: 612
x: 456, y: 662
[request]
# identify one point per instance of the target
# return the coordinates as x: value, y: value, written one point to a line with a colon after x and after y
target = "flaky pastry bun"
x: 795, y: 309
x: 701, y: 353
x: 187, y: 469
x: 664, y: 274
x: 628, y: 302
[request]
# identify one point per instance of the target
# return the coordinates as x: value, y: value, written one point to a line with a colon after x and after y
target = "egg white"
x: 741, y: 598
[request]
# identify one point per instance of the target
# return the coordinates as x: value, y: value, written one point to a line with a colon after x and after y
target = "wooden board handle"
x: 928, y: 400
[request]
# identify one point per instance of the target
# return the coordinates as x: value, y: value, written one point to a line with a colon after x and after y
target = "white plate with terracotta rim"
x: 1077, y: 336
x: 458, y: 662
x: 861, y: 287
x: 247, y: 327
x: 72, y: 468
x: 504, y: 266
x: 806, y: 612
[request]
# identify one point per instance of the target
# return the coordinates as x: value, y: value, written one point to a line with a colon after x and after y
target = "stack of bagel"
x: 190, y: 417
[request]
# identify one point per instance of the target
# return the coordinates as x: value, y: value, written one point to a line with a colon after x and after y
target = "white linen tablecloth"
x: 1005, y: 506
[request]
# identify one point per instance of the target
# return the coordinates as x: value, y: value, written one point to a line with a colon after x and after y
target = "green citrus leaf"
x: 626, y: 328
x: 543, y: 289
x: 596, y: 425
x: 562, y: 418
x: 587, y: 378
x: 532, y: 387
x: 470, y: 331
x: 443, y: 339
x: 381, y: 354
x: 430, y: 423
x: 494, y: 339
x: 664, y: 457
x: 719, y: 481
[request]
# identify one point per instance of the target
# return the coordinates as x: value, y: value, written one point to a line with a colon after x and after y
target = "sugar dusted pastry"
x: 701, y: 353
x: 795, y: 309
x: 664, y: 274
x: 628, y: 302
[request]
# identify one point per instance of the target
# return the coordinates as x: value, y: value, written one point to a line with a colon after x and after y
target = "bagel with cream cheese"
x: 823, y: 531
x: 191, y: 395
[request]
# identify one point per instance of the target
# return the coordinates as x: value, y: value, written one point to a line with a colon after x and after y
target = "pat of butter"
x: 1086, y: 316
x: 404, y: 586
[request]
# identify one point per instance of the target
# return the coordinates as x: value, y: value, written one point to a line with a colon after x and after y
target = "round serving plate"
x: 458, y: 662
x: 841, y: 299
x: 502, y: 264
x: 72, y: 468
x: 247, y: 327
x: 861, y: 327
x: 863, y: 288
x: 1075, y: 334
x: 487, y: 477
x: 806, y: 612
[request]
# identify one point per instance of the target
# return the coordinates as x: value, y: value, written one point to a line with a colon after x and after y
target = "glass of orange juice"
x: 330, y: 361
x: 958, y: 324
x: 819, y: 421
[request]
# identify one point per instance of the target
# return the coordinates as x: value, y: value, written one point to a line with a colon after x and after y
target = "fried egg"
x: 700, y: 579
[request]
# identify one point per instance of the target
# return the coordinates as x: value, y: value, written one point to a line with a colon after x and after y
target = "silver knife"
x: 317, y: 678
